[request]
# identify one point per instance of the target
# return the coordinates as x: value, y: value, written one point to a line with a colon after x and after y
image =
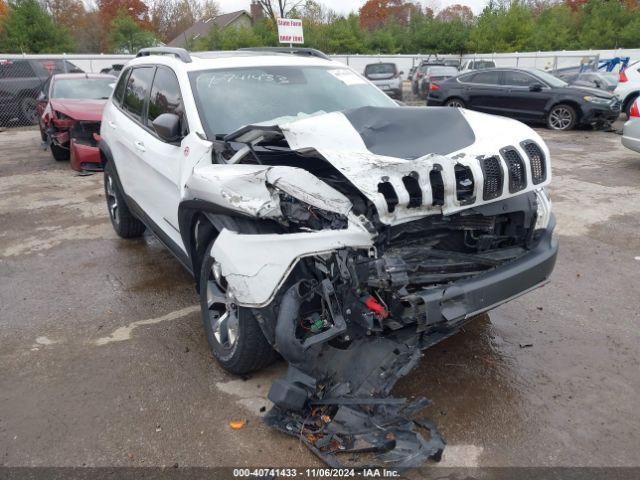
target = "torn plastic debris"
x: 336, y: 401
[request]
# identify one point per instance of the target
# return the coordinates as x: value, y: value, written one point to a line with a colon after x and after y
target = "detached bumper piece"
x: 342, y: 412
x: 84, y: 152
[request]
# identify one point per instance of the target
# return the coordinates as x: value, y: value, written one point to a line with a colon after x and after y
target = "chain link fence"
x: 23, y: 78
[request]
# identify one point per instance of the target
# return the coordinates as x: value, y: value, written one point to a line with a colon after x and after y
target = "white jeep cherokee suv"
x: 314, y: 212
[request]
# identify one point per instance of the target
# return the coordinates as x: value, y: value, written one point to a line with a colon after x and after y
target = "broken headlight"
x: 544, y: 209
x: 308, y: 217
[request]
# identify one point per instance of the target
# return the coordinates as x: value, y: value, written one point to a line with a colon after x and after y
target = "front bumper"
x: 434, y: 100
x: 393, y: 89
x: 84, y: 157
x: 448, y: 306
x: 594, y: 113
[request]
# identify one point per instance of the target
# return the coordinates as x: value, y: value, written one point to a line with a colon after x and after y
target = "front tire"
x: 29, y: 111
x: 123, y: 221
x: 233, y: 333
x: 561, y: 117
x: 59, y: 154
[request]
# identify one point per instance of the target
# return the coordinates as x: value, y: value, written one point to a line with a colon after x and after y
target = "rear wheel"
x: 234, y: 335
x: 60, y: 154
x: 454, y: 102
x: 29, y: 111
x: 123, y: 221
x: 561, y: 117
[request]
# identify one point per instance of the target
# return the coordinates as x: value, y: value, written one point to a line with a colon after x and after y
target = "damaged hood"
x: 393, y: 154
x: 79, y: 109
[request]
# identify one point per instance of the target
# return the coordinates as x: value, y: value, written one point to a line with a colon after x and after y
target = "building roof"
x: 202, y: 27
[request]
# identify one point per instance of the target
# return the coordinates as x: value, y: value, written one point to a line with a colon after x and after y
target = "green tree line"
x: 502, y: 26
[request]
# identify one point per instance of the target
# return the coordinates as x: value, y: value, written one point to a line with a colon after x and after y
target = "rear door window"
x: 165, y: 96
x: 487, y: 78
x: 517, y: 79
x: 466, y: 78
x: 137, y: 91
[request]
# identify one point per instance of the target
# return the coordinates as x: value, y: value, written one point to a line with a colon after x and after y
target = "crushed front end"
x: 71, y: 129
x: 376, y: 251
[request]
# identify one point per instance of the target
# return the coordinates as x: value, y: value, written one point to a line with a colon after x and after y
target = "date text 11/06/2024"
x: 315, y: 472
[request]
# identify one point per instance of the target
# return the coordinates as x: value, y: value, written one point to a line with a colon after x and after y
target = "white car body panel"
x: 630, y: 88
x: 255, y: 266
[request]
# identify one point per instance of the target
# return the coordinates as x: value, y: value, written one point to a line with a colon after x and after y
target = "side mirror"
x: 42, y: 97
x: 401, y: 72
x: 535, y: 87
x: 167, y: 126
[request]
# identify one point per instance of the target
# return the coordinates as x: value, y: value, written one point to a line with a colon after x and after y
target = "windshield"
x: 549, y: 79
x: 83, y: 88
x: 228, y: 99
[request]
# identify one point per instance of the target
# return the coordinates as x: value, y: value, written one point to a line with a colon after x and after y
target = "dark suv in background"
x: 528, y: 95
x: 21, y: 81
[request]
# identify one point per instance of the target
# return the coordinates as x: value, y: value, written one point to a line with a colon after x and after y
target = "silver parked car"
x: 386, y: 77
x: 631, y: 130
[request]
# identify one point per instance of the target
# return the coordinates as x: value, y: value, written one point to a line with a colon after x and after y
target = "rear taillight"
x: 635, y: 111
x: 622, y: 77
x: 434, y: 86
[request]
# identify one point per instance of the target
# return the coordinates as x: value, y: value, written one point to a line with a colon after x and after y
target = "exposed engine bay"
x: 375, y: 241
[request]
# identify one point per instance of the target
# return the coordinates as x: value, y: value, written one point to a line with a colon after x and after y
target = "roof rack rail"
x: 311, y: 52
x: 180, y: 53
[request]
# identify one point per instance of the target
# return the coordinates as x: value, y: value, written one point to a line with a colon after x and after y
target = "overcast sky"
x: 346, y: 6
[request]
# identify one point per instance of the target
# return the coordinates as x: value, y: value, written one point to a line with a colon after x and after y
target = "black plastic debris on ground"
x: 337, y: 402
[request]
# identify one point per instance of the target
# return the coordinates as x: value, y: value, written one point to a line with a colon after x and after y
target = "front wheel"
x: 561, y: 117
x: 59, y: 154
x: 234, y: 335
x: 454, y: 102
x: 29, y: 111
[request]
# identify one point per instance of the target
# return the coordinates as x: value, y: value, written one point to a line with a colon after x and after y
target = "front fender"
x: 256, y: 266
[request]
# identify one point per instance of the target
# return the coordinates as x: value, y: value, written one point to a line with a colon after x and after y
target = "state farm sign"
x: 290, y: 31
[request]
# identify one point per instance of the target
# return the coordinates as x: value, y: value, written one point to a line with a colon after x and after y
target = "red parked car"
x: 70, y: 107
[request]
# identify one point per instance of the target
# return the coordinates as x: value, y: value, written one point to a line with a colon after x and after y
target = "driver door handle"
x: 139, y: 145
x: 112, y: 125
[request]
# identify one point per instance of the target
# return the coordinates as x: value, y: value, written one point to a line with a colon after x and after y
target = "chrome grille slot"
x: 493, y: 177
x: 437, y: 185
x: 517, y: 171
x: 390, y: 195
x: 413, y: 187
x: 536, y: 160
